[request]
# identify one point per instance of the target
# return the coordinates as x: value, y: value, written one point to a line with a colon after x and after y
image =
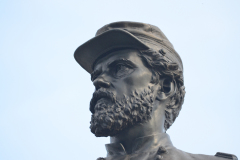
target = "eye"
x: 121, y: 70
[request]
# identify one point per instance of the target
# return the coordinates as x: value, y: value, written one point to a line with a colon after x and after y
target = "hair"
x: 167, y: 71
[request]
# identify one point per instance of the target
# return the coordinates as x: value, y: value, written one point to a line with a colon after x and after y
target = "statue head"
x: 137, y: 74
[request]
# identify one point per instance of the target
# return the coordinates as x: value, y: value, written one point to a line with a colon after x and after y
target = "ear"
x: 168, y: 89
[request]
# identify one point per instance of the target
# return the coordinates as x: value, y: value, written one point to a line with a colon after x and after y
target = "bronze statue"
x: 139, y: 92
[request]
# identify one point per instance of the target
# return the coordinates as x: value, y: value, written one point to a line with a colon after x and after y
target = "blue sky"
x: 45, y: 94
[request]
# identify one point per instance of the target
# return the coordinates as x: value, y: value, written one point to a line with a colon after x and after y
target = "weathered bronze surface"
x: 139, y: 92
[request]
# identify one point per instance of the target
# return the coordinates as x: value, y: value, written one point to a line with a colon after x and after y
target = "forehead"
x: 130, y: 54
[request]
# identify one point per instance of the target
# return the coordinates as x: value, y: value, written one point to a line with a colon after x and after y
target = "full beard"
x: 111, y: 116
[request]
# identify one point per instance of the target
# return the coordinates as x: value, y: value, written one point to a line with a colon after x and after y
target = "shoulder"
x: 181, y: 155
x: 226, y: 155
x: 217, y: 156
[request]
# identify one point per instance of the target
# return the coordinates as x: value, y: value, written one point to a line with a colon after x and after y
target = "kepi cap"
x: 124, y: 34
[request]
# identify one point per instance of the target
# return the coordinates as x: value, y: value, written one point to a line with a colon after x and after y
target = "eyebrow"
x: 122, y: 60
x: 111, y: 64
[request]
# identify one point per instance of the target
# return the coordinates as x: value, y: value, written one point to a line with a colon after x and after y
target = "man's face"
x: 124, y: 94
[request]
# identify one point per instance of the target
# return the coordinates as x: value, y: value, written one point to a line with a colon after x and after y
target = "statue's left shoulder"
x: 226, y: 155
x: 181, y: 155
x: 218, y: 156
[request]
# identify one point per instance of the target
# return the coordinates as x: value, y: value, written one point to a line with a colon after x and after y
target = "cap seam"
x: 151, y: 28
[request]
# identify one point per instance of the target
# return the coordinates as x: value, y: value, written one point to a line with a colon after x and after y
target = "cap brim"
x: 87, y: 53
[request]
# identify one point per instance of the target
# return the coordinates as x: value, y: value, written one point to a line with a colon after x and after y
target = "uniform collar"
x: 142, y: 144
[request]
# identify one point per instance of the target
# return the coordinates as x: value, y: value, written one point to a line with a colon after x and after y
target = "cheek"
x: 138, y: 80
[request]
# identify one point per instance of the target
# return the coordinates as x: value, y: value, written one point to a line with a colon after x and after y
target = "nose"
x: 100, y: 82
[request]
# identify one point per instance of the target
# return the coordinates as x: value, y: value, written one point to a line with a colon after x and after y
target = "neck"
x: 153, y: 126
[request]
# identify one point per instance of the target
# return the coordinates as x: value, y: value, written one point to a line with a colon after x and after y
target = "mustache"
x: 101, y: 93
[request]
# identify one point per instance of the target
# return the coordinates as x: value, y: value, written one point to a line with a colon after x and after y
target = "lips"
x: 99, y: 94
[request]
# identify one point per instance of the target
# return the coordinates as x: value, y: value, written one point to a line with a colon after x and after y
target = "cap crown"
x: 148, y: 34
x: 124, y: 34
